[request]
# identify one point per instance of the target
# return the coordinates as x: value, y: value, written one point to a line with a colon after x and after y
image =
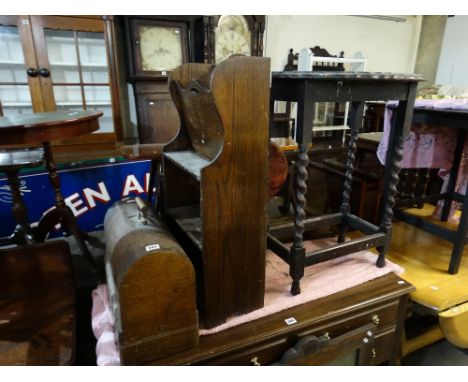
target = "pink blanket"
x: 320, y: 280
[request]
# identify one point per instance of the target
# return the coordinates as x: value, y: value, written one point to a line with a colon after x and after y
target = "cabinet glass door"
x: 15, y: 96
x: 79, y: 72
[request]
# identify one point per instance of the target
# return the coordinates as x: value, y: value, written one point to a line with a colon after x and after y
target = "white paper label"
x: 152, y: 247
x: 290, y: 320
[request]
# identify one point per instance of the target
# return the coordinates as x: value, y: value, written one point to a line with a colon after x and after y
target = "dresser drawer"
x: 270, y: 351
x: 383, y: 317
x: 383, y: 347
x: 264, y: 354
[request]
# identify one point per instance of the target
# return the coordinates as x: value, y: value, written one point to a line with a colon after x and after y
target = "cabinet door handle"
x: 32, y: 72
x: 43, y: 72
x: 254, y: 362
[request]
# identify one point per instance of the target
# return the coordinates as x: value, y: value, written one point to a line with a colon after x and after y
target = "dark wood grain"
x: 37, y: 305
x: 158, y: 120
x: 34, y: 130
x: 233, y: 187
x: 269, y: 337
x: 201, y: 118
x: 151, y: 284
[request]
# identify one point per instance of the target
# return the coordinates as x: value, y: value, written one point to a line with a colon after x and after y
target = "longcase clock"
x: 157, y: 46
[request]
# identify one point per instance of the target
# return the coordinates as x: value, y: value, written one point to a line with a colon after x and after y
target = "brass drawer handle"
x: 254, y: 362
x: 375, y: 319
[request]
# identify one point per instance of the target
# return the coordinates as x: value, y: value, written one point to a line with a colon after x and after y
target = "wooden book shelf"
x: 215, y: 183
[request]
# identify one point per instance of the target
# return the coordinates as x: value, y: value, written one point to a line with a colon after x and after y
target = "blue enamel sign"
x: 88, y: 191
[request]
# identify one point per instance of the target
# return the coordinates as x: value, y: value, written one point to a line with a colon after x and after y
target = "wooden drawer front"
x: 384, y: 317
x: 384, y: 344
x: 269, y: 352
x: 264, y: 354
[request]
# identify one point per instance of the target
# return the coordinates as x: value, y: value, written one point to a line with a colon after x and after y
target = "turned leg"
x: 23, y: 233
x: 61, y: 214
x: 297, y: 252
x: 400, y: 128
x: 357, y: 112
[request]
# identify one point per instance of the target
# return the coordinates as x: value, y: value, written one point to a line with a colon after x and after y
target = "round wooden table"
x: 40, y: 129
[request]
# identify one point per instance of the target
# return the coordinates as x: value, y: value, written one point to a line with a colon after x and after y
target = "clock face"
x: 232, y: 37
x: 160, y: 47
x: 230, y: 43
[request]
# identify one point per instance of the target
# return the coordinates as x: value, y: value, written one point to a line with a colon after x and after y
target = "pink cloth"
x: 319, y: 280
x: 432, y: 147
x: 102, y: 322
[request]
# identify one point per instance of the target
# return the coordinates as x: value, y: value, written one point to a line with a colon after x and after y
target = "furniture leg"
x: 453, y: 175
x: 61, y: 213
x: 305, y: 117
x: 460, y: 238
x: 357, y: 112
x: 400, y: 128
x: 297, y: 252
x: 23, y: 234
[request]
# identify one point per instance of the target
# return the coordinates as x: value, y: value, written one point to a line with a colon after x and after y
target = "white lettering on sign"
x: 74, y: 204
x: 131, y: 184
x: 152, y: 247
x: 290, y: 321
x: 92, y: 195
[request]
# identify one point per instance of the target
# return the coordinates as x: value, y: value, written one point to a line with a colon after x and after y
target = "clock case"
x: 136, y: 44
x: 205, y: 41
x: 157, y: 117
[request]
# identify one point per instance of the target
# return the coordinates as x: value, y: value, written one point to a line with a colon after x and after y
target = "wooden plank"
x: 345, y: 248
x: 357, y: 223
x: 426, y: 225
x: 287, y: 229
x: 278, y: 247
x: 189, y: 161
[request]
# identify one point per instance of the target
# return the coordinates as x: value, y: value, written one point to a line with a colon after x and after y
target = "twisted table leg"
x: 297, y: 252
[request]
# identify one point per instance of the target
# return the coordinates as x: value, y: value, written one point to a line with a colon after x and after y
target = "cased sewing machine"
x: 151, y: 285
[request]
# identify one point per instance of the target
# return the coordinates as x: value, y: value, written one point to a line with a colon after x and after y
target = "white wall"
x: 389, y: 46
x: 453, y: 62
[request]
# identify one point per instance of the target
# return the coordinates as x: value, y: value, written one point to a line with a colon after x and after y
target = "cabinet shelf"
x: 94, y: 65
x: 188, y: 161
x: 188, y: 219
x: 88, y: 103
x: 11, y: 62
x: 17, y: 104
x: 330, y: 128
